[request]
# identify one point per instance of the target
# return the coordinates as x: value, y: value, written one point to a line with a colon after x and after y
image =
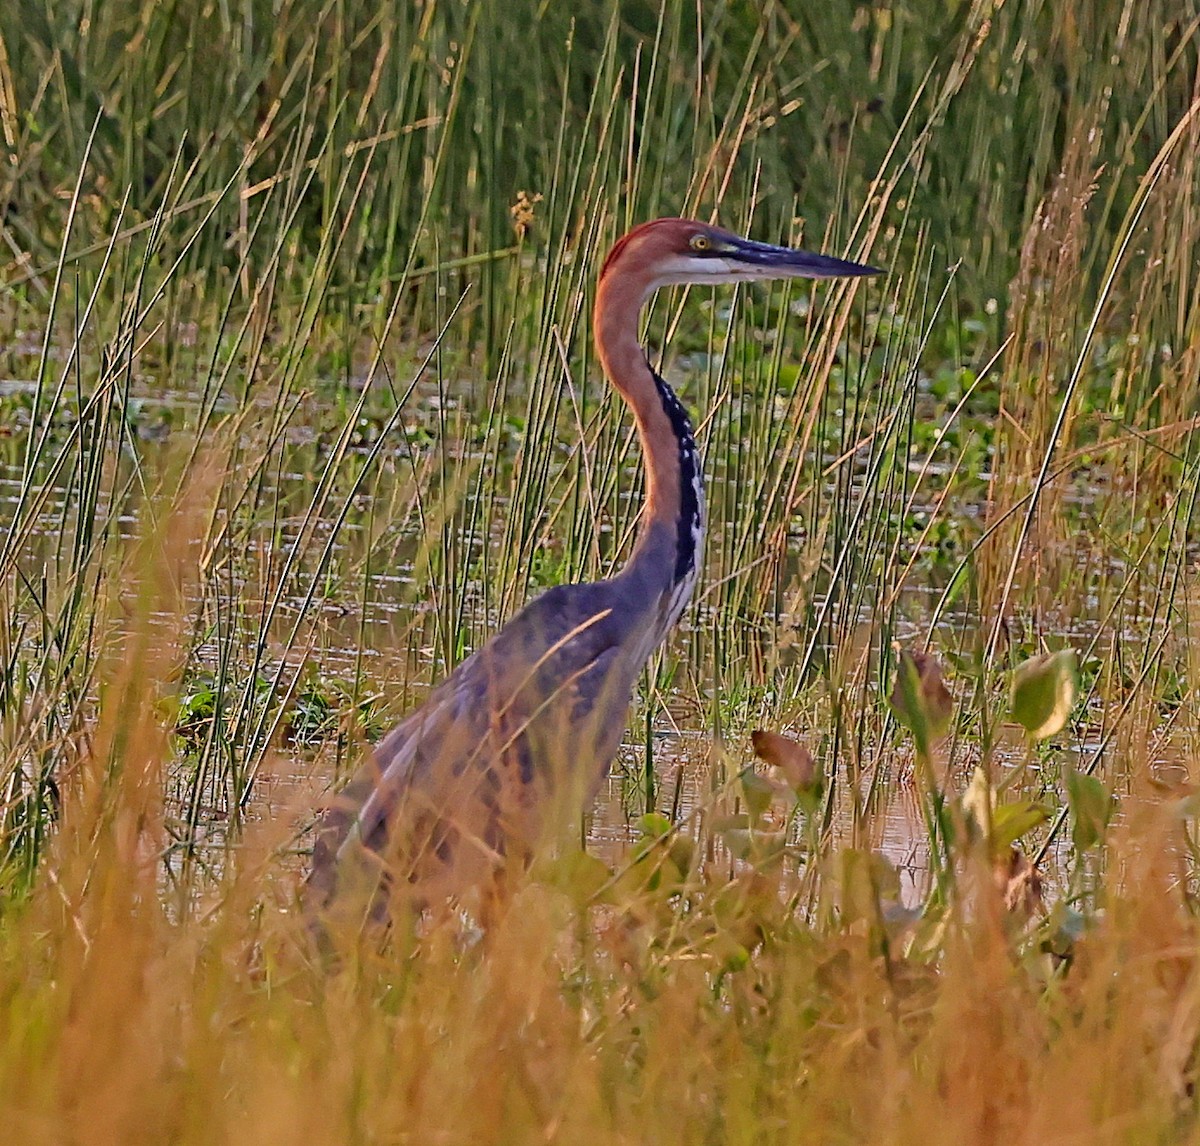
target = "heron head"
x: 667, y: 252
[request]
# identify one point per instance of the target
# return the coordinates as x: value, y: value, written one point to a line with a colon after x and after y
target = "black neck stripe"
x: 689, y: 523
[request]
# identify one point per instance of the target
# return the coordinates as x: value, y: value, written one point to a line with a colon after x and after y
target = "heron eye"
x: 699, y: 243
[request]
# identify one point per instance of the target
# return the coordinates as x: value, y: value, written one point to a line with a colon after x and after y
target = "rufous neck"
x: 672, y: 520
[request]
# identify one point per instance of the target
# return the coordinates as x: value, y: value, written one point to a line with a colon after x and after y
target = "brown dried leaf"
x: 1019, y: 883
x: 789, y: 756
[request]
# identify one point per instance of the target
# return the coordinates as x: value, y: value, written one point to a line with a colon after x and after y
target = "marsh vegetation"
x: 297, y: 404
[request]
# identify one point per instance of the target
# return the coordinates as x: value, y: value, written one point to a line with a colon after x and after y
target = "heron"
x: 516, y: 741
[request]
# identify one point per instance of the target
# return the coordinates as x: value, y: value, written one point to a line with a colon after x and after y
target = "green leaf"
x: 577, y: 873
x: 739, y: 841
x: 758, y: 792
x: 739, y: 822
x: 977, y: 803
x: 1007, y: 823
x: 682, y: 853
x: 1064, y: 929
x: 1044, y: 692
x: 1011, y: 821
x: 920, y: 699
x: 654, y: 825
x: 1091, y: 809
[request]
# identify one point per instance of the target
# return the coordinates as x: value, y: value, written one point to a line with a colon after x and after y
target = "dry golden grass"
x: 695, y: 1008
x: 642, y: 1021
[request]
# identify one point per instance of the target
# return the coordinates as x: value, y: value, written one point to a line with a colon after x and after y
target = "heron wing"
x: 539, y: 710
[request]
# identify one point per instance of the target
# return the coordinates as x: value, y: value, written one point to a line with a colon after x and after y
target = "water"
x: 388, y: 640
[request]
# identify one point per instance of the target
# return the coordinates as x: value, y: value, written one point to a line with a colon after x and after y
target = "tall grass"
x: 302, y: 406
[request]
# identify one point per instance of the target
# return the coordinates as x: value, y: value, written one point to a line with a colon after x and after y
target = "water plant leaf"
x: 1065, y: 928
x: 1002, y: 824
x: 682, y: 853
x: 763, y: 849
x: 794, y: 761
x: 739, y: 841
x: 865, y: 880
x: 978, y: 801
x: 578, y: 874
x: 653, y: 825
x: 737, y: 822
x: 1091, y: 809
x: 1044, y: 692
x: 920, y: 699
x: 758, y: 792
x: 1011, y: 821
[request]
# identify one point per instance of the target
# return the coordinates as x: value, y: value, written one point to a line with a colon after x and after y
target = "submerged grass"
x: 300, y: 406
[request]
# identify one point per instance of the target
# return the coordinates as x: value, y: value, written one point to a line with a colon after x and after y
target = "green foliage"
x: 1091, y: 807
x: 1043, y: 693
x: 1001, y: 825
x: 920, y: 700
x: 1012, y: 821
